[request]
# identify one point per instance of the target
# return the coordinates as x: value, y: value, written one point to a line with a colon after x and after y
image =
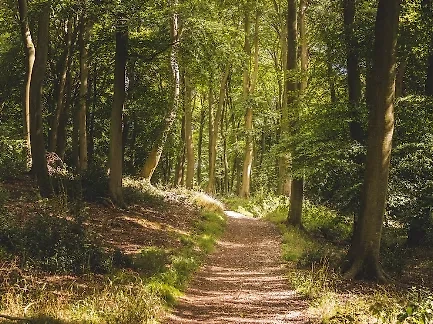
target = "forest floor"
x: 244, y: 281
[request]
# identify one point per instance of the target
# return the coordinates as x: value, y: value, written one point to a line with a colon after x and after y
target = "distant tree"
x: 155, y: 154
x: 116, y: 144
x: 39, y: 166
x: 29, y: 48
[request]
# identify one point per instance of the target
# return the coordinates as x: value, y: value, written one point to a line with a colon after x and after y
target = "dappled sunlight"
x: 243, y: 282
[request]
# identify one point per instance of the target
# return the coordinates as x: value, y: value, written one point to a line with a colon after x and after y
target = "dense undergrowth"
x: 53, y: 269
x: 316, y: 253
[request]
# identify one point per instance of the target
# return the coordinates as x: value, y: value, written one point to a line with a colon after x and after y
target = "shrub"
x: 152, y: 260
x: 13, y: 157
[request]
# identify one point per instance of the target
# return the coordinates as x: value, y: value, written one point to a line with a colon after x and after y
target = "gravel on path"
x: 244, y: 281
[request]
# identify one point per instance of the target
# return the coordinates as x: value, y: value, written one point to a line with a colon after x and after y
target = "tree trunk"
x: 64, y: 117
x: 295, y: 209
x: 249, y: 84
x: 210, y: 185
x: 116, y: 147
x: 154, y: 156
x: 84, y: 75
x: 214, y: 133
x: 200, y: 142
x: 178, y: 174
x: 364, y: 252
x: 29, y: 48
x: 61, y: 88
x: 39, y: 167
x: 188, y: 134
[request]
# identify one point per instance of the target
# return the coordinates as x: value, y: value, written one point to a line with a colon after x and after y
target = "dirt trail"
x: 243, y: 281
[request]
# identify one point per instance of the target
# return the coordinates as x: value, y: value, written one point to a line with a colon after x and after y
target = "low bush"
x: 53, y: 243
x: 13, y: 157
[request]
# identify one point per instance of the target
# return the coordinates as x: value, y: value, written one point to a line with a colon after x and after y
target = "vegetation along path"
x: 244, y: 281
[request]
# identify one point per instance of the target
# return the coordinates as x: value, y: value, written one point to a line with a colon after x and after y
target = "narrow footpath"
x: 244, y: 281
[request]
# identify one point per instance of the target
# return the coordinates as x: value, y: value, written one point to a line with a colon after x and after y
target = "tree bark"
x: 154, y: 156
x: 39, y: 167
x: 249, y: 85
x: 364, y: 252
x: 215, y: 129
x: 84, y: 38
x: 188, y: 134
x: 200, y: 143
x: 29, y: 48
x: 116, y: 138
x: 296, y: 188
x: 61, y: 88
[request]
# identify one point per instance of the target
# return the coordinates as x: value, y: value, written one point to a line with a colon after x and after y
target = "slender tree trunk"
x: 284, y: 178
x: 215, y: 129
x: 295, y: 209
x: 200, y: 143
x: 211, y: 185
x: 84, y: 38
x: 61, y: 88
x: 39, y: 166
x: 364, y: 252
x: 188, y: 134
x: 116, y: 147
x: 29, y: 48
x: 155, y: 154
x: 64, y: 116
x: 249, y: 85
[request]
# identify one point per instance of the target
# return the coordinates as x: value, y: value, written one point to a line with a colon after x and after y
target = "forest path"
x: 244, y: 281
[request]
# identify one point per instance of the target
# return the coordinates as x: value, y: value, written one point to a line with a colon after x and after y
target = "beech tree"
x: 116, y: 151
x: 153, y: 159
x: 364, y: 252
x: 29, y: 48
x: 39, y: 161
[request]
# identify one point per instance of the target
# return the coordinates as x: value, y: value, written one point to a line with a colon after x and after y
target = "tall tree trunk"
x: 84, y: 38
x: 214, y: 134
x: 249, y: 84
x: 211, y: 125
x: 155, y: 154
x: 295, y: 210
x: 188, y: 134
x: 64, y: 116
x: 29, y: 48
x: 61, y: 88
x: 284, y: 177
x: 200, y: 143
x: 364, y: 251
x: 116, y: 147
x: 178, y: 174
x: 39, y: 166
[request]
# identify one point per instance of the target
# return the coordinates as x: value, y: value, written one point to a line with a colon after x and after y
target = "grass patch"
x: 130, y: 289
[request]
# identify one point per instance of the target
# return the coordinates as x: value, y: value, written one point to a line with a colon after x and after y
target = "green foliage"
x: 411, y: 177
x: 418, y: 308
x: 326, y: 223
x: 13, y: 158
x: 94, y: 183
x: 53, y: 243
x: 152, y: 260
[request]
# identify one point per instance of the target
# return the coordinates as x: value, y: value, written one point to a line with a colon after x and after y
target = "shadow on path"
x: 243, y: 281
